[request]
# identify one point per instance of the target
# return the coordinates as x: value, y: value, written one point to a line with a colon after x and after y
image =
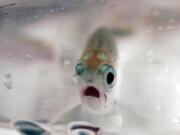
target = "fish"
x: 96, y: 71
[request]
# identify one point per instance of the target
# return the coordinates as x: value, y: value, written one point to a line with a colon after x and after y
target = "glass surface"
x: 42, y: 41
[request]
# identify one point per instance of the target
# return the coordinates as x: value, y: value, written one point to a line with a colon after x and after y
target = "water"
x: 42, y: 41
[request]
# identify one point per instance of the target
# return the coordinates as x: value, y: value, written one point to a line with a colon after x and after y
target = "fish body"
x: 100, y: 49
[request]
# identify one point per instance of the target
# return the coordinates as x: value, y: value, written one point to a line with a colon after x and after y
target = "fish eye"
x: 109, y: 75
x: 110, y: 78
x: 79, y: 69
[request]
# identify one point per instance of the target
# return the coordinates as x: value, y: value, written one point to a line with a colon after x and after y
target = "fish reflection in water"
x: 29, y: 128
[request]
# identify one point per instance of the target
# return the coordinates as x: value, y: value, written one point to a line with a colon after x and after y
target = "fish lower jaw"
x: 92, y: 104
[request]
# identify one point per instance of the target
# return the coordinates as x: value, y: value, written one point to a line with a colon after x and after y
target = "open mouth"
x: 91, y: 92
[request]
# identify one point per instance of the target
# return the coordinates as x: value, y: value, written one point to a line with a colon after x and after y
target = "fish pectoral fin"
x: 29, y: 128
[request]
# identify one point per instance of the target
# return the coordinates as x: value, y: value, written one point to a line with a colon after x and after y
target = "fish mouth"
x: 91, y: 91
x: 93, y: 99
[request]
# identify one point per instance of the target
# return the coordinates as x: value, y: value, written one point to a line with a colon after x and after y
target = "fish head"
x: 96, y: 78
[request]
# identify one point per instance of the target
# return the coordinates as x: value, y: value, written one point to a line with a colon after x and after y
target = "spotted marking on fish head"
x: 94, y: 58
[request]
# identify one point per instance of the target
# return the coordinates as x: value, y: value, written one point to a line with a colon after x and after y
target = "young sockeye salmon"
x: 96, y: 71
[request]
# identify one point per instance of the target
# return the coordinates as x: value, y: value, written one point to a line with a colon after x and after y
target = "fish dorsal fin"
x: 29, y: 128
